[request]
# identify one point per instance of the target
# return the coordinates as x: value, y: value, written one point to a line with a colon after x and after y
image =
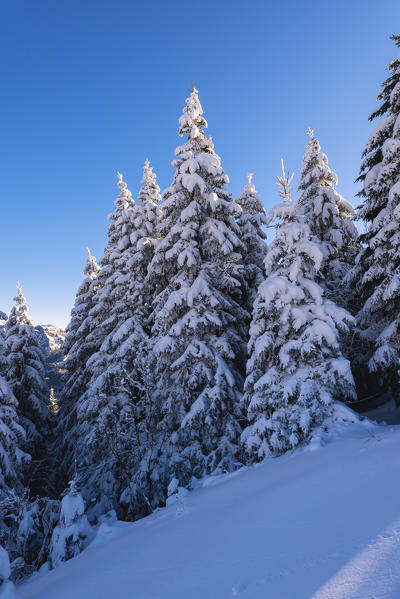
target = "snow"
x: 5, y: 570
x: 321, y: 524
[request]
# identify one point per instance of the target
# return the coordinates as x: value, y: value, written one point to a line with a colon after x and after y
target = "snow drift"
x: 319, y: 524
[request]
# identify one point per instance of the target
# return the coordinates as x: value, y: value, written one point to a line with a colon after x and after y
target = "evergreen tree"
x: 112, y: 279
x: 110, y: 410
x: 330, y: 218
x: 12, y: 435
x: 132, y: 296
x: 73, y: 530
x: 377, y: 271
x: 147, y: 220
x: 26, y: 379
x: 130, y: 341
x: 250, y: 221
x: 26, y: 526
x: 295, y: 369
x: 198, y: 324
x: 104, y: 411
x: 77, y: 347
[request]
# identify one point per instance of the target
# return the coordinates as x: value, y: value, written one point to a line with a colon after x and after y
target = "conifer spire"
x: 330, y: 218
x: 149, y: 191
x: 283, y: 183
x: 250, y: 221
x: 91, y: 269
x: 198, y: 332
x: 124, y: 201
x: 20, y: 312
x: 295, y: 369
x: 192, y: 123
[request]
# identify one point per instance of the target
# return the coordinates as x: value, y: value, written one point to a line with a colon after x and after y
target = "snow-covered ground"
x: 321, y: 524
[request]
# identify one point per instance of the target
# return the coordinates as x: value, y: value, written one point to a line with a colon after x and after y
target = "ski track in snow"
x: 311, y: 525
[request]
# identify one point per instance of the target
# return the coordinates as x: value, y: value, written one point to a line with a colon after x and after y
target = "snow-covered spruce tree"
x: 26, y: 526
x: 295, y: 369
x: 103, y: 412
x: 109, y: 411
x: 198, y: 324
x: 147, y: 219
x: 330, y: 218
x: 377, y: 270
x: 131, y: 295
x: 126, y: 344
x: 250, y: 221
x: 26, y: 378
x: 12, y: 436
x: 105, y: 311
x: 73, y: 530
x: 77, y: 349
x: 131, y: 339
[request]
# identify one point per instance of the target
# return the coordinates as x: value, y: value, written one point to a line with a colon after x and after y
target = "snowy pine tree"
x: 104, y: 411
x: 113, y: 278
x: 12, y: 435
x: 132, y: 296
x: 295, y: 369
x: 26, y: 526
x: 26, y: 379
x: 77, y: 349
x: 110, y: 410
x: 147, y: 219
x: 131, y: 340
x: 377, y: 271
x: 250, y: 221
x: 198, y: 342
x: 330, y: 218
x: 73, y: 530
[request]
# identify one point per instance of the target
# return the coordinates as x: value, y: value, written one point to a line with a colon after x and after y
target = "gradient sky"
x: 91, y: 87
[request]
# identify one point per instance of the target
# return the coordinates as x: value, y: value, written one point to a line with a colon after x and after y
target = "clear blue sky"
x: 91, y: 87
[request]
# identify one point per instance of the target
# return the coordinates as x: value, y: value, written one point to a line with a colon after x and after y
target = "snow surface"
x: 321, y: 524
x: 4, y: 564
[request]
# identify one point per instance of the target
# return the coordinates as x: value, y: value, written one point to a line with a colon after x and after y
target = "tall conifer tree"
x: 198, y: 332
x: 12, y: 436
x: 109, y: 411
x: 330, y: 218
x: 295, y: 369
x: 103, y: 412
x: 377, y: 270
x: 77, y: 348
x: 26, y: 378
x: 250, y: 221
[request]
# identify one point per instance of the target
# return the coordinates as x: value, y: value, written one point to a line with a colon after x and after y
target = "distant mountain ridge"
x: 50, y: 337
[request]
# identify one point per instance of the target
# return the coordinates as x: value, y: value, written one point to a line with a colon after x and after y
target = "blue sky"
x: 90, y: 88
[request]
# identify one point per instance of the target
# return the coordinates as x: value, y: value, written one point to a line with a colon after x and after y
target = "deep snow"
x: 321, y: 524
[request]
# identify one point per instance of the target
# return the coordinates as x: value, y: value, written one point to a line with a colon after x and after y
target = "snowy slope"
x: 322, y: 524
